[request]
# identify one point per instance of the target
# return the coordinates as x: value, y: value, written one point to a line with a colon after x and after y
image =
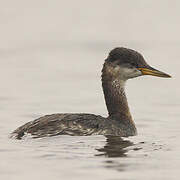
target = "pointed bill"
x: 153, y: 72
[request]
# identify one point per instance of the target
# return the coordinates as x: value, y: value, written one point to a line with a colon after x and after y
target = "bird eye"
x: 133, y: 64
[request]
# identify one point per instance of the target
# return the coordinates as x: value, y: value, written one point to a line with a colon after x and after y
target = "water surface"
x: 51, y: 55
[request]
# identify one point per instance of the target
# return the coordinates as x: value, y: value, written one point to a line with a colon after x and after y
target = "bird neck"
x: 114, y: 94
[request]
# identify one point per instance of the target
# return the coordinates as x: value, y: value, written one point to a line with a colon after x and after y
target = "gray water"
x: 51, y: 55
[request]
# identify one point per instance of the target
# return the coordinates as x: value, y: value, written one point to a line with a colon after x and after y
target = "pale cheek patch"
x: 123, y: 73
x: 127, y: 73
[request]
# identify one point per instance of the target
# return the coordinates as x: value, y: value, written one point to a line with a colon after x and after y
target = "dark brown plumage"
x: 121, y: 65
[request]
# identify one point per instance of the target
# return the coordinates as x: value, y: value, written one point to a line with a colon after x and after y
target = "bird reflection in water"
x: 115, y: 147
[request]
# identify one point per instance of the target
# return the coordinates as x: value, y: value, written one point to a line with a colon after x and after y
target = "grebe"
x: 121, y: 64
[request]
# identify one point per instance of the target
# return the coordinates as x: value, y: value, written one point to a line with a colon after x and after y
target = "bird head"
x: 126, y: 64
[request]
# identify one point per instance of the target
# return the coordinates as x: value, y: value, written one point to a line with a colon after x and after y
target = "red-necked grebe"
x: 121, y: 64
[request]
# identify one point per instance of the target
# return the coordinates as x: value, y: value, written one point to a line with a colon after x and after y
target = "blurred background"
x: 48, y: 47
x: 51, y: 55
